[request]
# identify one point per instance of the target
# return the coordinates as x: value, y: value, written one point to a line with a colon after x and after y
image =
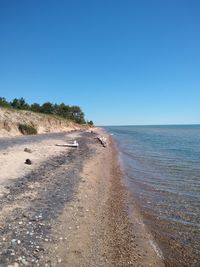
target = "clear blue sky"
x: 122, y: 61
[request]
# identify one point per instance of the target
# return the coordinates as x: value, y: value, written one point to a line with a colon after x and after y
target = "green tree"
x: 90, y: 123
x: 3, y: 102
x: 19, y: 103
x: 15, y: 103
x: 47, y: 108
x: 76, y: 114
x: 63, y: 110
x: 35, y: 107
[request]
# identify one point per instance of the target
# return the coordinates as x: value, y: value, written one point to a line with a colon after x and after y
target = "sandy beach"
x: 70, y: 207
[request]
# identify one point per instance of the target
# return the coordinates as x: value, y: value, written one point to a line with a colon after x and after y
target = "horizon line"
x: 168, y: 124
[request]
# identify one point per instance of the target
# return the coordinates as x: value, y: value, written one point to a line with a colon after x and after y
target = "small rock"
x: 18, y: 241
x: 15, y: 264
x: 20, y: 223
x: 27, y: 150
x: 24, y: 262
x: 28, y: 162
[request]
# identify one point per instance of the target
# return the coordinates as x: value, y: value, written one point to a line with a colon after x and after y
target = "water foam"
x: 156, y: 248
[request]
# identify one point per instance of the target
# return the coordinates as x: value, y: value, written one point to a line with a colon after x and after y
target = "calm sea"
x: 162, y: 170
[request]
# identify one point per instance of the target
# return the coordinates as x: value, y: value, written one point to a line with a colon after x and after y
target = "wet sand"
x: 70, y: 208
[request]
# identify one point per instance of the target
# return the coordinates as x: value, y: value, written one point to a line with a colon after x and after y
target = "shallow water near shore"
x: 162, y: 167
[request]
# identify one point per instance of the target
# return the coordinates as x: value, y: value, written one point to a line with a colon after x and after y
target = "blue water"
x: 162, y: 170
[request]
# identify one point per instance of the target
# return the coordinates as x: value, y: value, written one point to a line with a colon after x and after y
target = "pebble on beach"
x: 28, y: 162
x: 27, y: 150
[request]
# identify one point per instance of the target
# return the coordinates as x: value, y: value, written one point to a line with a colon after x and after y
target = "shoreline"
x: 73, y: 209
x: 134, y: 211
x: 138, y: 236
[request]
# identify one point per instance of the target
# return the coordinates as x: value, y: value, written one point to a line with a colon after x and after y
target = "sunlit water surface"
x: 162, y: 167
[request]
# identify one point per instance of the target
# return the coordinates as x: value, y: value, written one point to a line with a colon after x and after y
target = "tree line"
x: 73, y: 113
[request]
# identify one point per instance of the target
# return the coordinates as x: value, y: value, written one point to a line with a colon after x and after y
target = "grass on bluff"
x: 26, y: 129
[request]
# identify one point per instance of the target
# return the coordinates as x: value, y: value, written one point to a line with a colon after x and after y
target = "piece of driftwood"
x: 102, y: 140
x: 74, y: 144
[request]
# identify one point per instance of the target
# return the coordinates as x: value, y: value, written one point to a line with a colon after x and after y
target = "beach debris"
x: 102, y: 140
x: 59, y: 260
x: 24, y: 262
x: 28, y: 162
x: 28, y: 150
x: 74, y: 144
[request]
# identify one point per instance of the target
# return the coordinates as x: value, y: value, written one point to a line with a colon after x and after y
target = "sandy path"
x: 71, y: 209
